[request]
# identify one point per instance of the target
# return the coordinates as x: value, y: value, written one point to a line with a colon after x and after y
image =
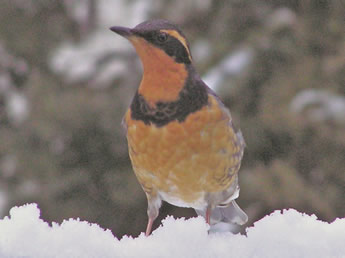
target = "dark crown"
x: 166, y: 36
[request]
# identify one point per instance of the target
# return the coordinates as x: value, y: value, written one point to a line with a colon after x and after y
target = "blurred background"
x: 66, y: 81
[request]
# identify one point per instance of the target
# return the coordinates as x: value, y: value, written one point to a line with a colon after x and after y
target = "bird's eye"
x: 162, y: 37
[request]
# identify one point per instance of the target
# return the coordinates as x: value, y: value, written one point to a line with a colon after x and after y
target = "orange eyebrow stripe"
x: 180, y: 38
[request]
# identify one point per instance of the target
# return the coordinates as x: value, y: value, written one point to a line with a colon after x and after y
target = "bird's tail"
x: 229, y: 214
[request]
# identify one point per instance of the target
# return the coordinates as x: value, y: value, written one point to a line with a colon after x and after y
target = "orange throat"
x: 163, y: 78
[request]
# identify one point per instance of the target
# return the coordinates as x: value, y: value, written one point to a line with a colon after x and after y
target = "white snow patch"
x: 201, y: 50
x: 91, y: 58
x: 230, y: 67
x: 281, y: 234
x: 78, y: 62
x: 319, y: 105
x: 280, y: 18
x: 17, y: 107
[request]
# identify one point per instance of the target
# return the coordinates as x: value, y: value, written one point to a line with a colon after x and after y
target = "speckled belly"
x: 186, y: 160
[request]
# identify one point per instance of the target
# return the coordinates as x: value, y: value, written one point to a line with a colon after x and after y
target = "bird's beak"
x: 122, y: 31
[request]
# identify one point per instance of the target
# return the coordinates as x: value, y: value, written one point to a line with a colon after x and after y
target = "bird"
x: 182, y: 142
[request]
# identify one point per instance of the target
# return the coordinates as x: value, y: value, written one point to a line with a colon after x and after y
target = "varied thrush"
x: 181, y: 139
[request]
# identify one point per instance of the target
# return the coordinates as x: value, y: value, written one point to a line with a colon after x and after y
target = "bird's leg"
x: 149, y: 227
x: 208, y: 215
x: 153, y: 206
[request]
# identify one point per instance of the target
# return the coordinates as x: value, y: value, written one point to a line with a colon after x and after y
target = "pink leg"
x: 149, y: 227
x: 152, y: 211
x: 208, y: 215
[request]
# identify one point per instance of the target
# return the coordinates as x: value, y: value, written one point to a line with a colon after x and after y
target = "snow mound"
x: 281, y: 234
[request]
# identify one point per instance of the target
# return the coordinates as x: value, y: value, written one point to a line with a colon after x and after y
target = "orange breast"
x: 188, y: 159
x: 163, y: 77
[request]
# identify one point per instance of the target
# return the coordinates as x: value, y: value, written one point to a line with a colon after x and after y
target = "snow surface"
x: 319, y: 105
x: 281, y: 234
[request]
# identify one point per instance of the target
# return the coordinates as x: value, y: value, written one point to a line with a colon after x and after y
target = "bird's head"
x: 153, y: 39
x: 165, y: 55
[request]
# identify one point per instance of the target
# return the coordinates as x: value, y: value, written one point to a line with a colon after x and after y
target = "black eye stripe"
x: 170, y: 44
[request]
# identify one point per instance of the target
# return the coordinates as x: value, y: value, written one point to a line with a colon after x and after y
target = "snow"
x: 89, y: 60
x: 17, y: 107
x: 229, y: 68
x: 319, y: 105
x: 280, y: 18
x: 16, y: 103
x: 78, y: 62
x: 281, y: 234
